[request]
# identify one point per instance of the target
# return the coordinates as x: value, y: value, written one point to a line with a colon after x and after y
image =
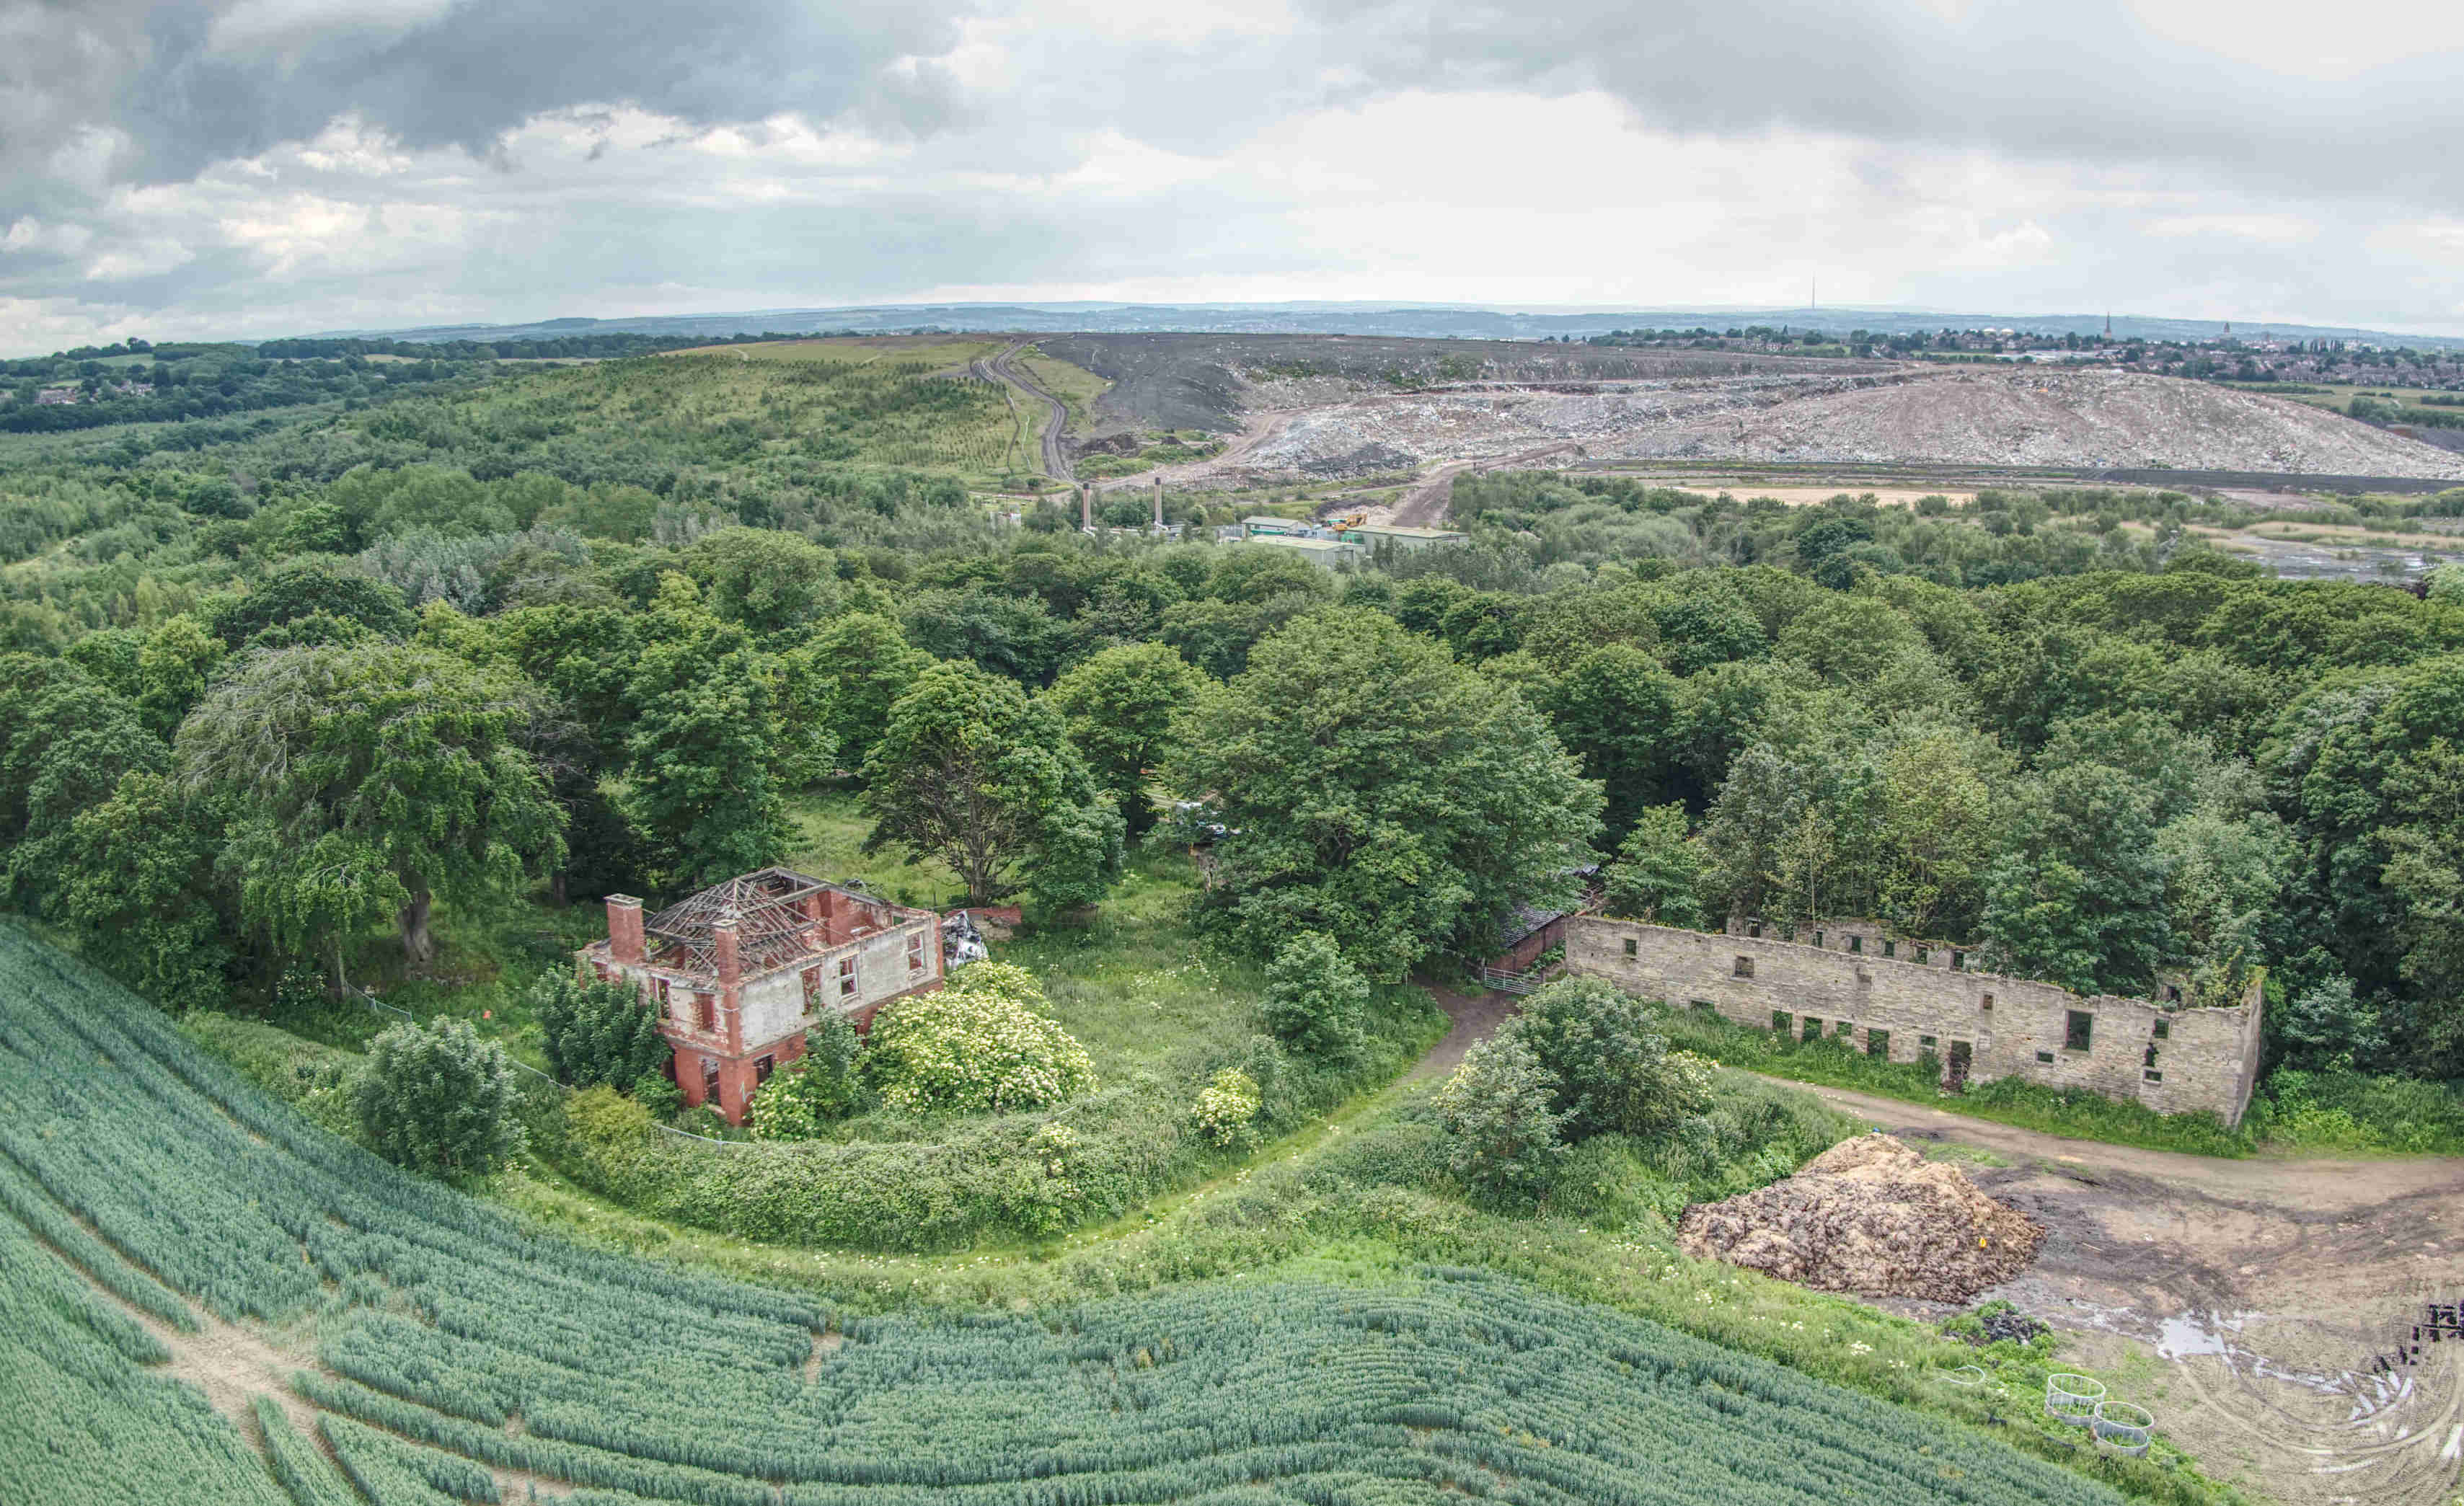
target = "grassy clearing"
x: 831, y: 827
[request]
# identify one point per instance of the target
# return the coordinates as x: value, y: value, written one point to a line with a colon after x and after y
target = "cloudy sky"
x: 182, y: 168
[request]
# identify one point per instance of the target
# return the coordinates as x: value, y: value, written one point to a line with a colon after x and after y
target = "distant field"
x: 939, y: 351
x: 873, y: 402
x: 2341, y: 398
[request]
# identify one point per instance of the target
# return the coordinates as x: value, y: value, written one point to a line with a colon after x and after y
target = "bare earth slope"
x: 1321, y: 418
x: 2083, y: 418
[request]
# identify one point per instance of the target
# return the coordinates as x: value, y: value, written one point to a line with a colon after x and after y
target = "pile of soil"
x: 1872, y: 1217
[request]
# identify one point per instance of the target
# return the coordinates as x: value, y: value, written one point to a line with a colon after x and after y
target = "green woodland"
x: 323, y: 731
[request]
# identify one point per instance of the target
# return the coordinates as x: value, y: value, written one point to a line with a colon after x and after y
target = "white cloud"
x: 407, y: 161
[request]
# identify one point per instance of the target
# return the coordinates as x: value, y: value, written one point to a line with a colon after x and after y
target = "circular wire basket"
x: 2073, y: 1398
x: 2121, y: 1427
x: 1966, y: 1375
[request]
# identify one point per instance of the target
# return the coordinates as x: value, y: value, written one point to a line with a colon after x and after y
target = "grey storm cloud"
x: 2076, y: 80
x: 192, y: 82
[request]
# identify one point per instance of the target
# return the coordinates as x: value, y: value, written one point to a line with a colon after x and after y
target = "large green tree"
x: 862, y: 664
x: 368, y: 779
x: 971, y: 771
x: 137, y: 885
x: 1120, y: 708
x: 1378, y: 791
x: 1625, y: 715
x: 65, y: 742
x: 2078, y: 893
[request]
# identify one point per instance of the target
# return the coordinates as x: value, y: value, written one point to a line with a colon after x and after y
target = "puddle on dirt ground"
x: 2181, y: 1337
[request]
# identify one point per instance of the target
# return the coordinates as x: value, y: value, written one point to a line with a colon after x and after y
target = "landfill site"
x: 1316, y: 408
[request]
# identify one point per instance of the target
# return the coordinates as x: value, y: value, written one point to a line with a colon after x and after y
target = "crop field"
x: 154, y: 1199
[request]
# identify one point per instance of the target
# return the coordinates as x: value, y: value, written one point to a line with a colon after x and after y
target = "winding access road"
x: 1002, y: 368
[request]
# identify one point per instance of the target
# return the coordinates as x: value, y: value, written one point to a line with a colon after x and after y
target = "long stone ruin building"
x: 1890, y: 996
x: 739, y: 972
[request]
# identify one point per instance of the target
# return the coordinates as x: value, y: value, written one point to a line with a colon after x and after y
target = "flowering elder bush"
x: 981, y: 1044
x: 1227, y: 1109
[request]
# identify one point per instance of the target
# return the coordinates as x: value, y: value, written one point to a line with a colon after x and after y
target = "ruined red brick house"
x: 741, y: 971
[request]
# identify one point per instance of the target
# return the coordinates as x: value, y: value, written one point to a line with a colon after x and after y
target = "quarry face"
x: 1324, y: 424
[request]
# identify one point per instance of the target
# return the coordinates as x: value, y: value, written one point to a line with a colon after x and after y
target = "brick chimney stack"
x: 623, y: 927
x: 723, y: 946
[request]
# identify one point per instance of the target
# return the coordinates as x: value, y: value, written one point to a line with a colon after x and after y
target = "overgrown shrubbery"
x: 1226, y: 1113
x: 1314, y: 997
x: 1581, y: 1060
x: 438, y: 1099
x: 2356, y: 1111
x: 979, y: 1045
x: 595, y: 1033
x: 825, y: 1084
x: 924, y: 1182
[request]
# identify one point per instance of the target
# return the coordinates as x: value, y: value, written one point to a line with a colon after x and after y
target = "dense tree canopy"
x: 368, y: 780
x: 972, y: 771
x: 1380, y: 792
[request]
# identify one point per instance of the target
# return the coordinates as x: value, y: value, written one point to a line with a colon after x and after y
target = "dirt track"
x: 2242, y: 1302
x: 1476, y: 1017
x: 1056, y: 417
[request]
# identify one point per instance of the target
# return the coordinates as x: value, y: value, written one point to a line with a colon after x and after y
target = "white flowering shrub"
x: 981, y: 1044
x: 1227, y: 1109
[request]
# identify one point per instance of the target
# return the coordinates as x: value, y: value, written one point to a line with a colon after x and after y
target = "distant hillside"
x: 1461, y: 321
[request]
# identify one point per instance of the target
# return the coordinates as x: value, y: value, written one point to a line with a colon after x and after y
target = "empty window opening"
x: 2172, y: 993
x: 1890, y: 947
x: 1924, y: 952
x: 1704, y: 1005
x: 2164, y: 1029
x: 2149, y: 1060
x: 1632, y: 946
x: 1927, y: 1042
x: 659, y: 988
x: 1959, y: 962
x: 706, y: 1008
x: 916, y: 952
x: 2045, y: 1056
x: 812, y: 979
x: 1812, y: 1029
x: 1817, y: 938
x: 2075, y: 1030
x: 763, y: 1067
x: 1878, y: 1043
x: 1744, y: 967
x: 2151, y: 1075
x: 1780, y: 1020
x: 1986, y: 1004
x: 1857, y: 943
x: 846, y: 977
x: 1843, y: 1028
x: 1754, y: 929
x: 710, y: 1080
